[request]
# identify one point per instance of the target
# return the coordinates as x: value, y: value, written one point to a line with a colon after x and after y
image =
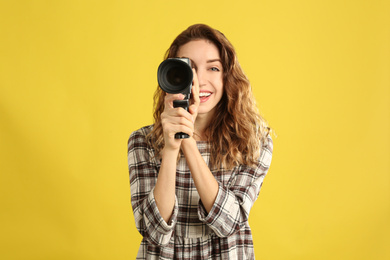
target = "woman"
x: 191, y: 197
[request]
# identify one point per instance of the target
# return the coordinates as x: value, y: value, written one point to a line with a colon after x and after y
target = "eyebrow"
x: 214, y: 60
x: 208, y: 61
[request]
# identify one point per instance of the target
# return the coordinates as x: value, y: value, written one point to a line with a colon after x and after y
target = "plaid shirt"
x: 192, y: 233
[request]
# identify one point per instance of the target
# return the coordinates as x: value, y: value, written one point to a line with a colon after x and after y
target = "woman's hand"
x: 175, y: 120
x: 195, y: 96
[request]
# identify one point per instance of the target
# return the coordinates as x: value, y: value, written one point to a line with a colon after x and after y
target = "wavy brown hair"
x: 238, y: 131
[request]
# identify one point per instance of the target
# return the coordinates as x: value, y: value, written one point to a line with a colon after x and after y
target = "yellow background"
x: 77, y: 77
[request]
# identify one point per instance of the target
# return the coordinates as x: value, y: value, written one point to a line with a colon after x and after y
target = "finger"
x: 178, y: 112
x: 172, y: 129
x: 181, y: 121
x: 195, y: 88
x: 181, y: 112
x: 169, y: 98
x: 193, y: 109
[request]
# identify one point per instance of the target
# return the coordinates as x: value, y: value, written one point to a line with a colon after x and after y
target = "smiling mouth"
x: 204, y: 94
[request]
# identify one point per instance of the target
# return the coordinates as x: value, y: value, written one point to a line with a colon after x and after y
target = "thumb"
x: 193, y: 109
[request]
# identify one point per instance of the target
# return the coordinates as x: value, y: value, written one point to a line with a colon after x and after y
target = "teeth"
x: 204, y: 94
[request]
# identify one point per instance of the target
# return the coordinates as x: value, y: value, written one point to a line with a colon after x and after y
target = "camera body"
x: 174, y: 76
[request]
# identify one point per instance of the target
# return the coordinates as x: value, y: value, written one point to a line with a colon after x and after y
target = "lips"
x: 204, y: 96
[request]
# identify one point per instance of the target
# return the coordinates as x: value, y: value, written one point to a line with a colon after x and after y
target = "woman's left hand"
x: 193, y: 108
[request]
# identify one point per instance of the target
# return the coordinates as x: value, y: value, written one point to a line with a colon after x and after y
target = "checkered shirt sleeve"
x: 234, y: 200
x: 143, y: 168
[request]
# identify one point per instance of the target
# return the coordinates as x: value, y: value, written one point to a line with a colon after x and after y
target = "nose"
x: 201, y: 77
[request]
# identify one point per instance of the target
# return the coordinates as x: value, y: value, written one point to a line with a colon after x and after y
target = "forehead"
x: 199, y: 50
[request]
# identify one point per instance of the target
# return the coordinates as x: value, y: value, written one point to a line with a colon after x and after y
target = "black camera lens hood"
x: 175, y: 76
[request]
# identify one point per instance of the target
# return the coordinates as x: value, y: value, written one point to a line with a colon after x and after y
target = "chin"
x: 205, y: 110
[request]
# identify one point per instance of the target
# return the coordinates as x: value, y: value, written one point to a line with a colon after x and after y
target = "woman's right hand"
x: 175, y: 120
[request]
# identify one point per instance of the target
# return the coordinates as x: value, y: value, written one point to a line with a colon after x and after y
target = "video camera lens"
x: 175, y: 75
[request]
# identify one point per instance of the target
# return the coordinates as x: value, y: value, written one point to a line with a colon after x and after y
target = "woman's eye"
x: 214, y: 69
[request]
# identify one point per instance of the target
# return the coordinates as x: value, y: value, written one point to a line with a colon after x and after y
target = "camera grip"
x: 184, y: 104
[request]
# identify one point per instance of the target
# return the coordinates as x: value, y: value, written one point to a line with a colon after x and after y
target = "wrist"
x: 188, y: 143
x: 169, y: 151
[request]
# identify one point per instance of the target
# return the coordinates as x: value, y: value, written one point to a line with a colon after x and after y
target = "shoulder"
x: 138, y: 137
x: 143, y: 131
x: 267, y: 148
x: 268, y: 143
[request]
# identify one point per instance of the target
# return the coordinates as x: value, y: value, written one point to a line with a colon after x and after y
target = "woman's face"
x: 205, y: 58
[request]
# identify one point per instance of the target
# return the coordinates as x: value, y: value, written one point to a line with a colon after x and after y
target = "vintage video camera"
x: 175, y: 76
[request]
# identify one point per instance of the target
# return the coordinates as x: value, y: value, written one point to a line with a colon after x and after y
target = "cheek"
x: 218, y: 84
x: 219, y: 87
x: 219, y: 91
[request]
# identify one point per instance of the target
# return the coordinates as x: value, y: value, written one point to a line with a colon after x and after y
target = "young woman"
x: 191, y: 197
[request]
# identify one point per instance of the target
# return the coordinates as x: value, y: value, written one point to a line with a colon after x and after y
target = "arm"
x: 233, y: 202
x: 152, y: 189
x: 143, y: 170
x: 164, y: 191
x: 204, y: 180
x: 173, y: 120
